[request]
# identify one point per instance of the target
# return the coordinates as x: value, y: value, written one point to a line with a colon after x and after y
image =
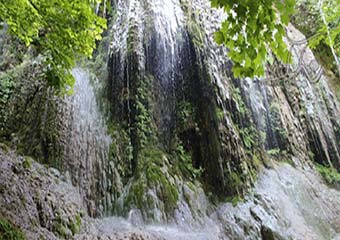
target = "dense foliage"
x: 63, y: 30
x: 59, y: 30
x: 330, y: 174
x: 328, y: 27
x: 252, y: 28
x: 319, y: 20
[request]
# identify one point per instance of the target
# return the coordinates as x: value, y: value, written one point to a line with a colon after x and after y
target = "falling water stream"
x: 168, y: 39
x: 87, y: 143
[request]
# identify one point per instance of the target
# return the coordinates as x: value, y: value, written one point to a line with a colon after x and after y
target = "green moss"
x: 237, y: 97
x: 23, y: 109
x: 219, y: 113
x: 275, y: 152
x: 136, y: 195
x: 248, y: 136
x: 235, y: 182
x: 185, y: 115
x: 120, y: 152
x: 280, y: 155
x: 151, y: 155
x: 7, y: 83
x: 61, y: 230
x: 244, y: 125
x: 235, y: 179
x: 132, y: 36
x: 144, y: 124
x: 74, y: 225
x: 4, y: 147
x: 10, y: 232
x: 196, y: 31
x: 65, y: 227
x: 191, y: 186
x: 78, y: 219
x: 7, y: 86
x: 150, y: 176
x: 184, y: 163
x: 156, y: 177
x: 277, y: 124
x: 234, y: 200
x: 256, y: 160
x: 331, y: 175
x: 27, y: 163
x: 109, y: 9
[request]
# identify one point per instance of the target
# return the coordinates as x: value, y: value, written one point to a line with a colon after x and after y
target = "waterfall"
x: 87, y: 143
x: 163, y: 65
x: 169, y: 47
x: 161, y: 141
x: 257, y: 99
x: 150, y: 48
x: 165, y: 50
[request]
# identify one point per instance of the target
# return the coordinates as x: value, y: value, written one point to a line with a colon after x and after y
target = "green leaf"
x: 219, y: 37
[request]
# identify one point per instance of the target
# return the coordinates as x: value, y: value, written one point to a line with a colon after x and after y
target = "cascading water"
x: 165, y: 52
x: 257, y: 99
x: 150, y: 48
x: 87, y: 144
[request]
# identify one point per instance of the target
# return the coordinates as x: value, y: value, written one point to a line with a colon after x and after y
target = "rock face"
x: 287, y: 203
x: 39, y: 200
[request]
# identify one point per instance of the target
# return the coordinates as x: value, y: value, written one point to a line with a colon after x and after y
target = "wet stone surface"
x: 286, y: 203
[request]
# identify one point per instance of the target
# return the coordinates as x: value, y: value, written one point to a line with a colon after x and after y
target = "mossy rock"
x: 66, y: 227
x: 62, y: 230
x: 329, y: 174
x: 4, y: 147
x: 27, y: 163
x: 74, y: 224
x: 234, y: 200
x: 155, y: 181
x: 10, y: 232
x: 152, y: 175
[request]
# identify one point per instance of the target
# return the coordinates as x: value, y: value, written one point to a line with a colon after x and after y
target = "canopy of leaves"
x: 252, y: 28
x: 60, y: 30
x: 319, y: 20
x: 328, y: 28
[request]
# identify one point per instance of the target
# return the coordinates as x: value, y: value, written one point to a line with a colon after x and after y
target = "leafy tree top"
x: 251, y: 29
x: 60, y: 30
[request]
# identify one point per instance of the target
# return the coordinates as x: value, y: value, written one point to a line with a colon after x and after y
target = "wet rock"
x: 268, y: 234
x: 66, y: 177
x: 54, y: 172
x: 280, y: 208
x: 36, y: 201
